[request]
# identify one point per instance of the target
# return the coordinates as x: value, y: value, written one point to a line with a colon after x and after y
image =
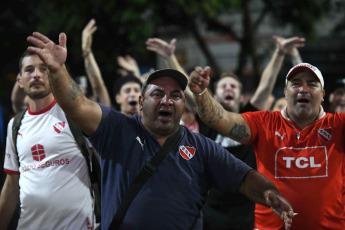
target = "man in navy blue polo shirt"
x: 172, y: 198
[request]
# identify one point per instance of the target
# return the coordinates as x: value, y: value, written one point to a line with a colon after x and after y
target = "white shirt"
x: 54, y: 180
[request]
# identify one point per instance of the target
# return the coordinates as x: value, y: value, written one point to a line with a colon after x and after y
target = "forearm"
x: 295, y: 57
x: 213, y: 115
x: 267, y: 81
x: 256, y: 186
x: 173, y: 63
x: 95, y: 77
x: 8, y: 201
x: 17, y: 98
x: 84, y: 112
x: 66, y: 91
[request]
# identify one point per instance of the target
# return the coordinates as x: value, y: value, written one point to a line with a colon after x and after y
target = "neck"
x: 40, y: 104
x: 302, y: 123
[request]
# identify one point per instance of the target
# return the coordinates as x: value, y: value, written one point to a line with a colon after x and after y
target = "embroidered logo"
x: 281, y: 136
x: 187, y: 152
x: 38, y: 152
x: 141, y: 144
x: 325, y: 134
x: 59, y: 126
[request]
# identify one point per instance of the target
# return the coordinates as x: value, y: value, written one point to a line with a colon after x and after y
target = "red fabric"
x: 308, y: 172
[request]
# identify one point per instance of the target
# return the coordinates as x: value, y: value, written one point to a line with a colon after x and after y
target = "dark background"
x: 124, y: 26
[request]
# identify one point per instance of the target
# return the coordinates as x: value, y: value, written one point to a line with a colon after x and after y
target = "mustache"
x: 35, y: 81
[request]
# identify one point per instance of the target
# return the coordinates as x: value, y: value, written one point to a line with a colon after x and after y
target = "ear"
x: 323, y: 95
x: 285, y: 92
x: 118, y: 99
x: 19, y: 80
x: 141, y: 101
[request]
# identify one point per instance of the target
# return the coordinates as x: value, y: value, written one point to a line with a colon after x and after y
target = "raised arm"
x: 9, y: 199
x: 212, y: 113
x: 99, y: 90
x: 259, y: 189
x: 167, y: 51
x: 269, y: 76
x: 18, y: 98
x: 85, y: 113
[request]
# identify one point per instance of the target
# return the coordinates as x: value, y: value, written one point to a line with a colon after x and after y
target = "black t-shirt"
x: 226, y: 210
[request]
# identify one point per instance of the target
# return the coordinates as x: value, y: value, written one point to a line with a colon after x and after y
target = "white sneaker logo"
x: 142, y: 144
x: 278, y: 134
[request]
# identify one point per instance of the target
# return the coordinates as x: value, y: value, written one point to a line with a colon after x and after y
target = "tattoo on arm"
x: 238, y: 131
x: 74, y: 90
x: 210, y: 111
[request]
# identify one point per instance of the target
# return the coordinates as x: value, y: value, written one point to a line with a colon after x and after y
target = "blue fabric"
x: 173, y: 197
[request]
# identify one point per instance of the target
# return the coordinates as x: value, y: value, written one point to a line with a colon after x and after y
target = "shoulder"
x: 198, y: 139
x: 335, y: 117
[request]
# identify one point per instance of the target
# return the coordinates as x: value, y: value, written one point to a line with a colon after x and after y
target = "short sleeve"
x: 11, y: 164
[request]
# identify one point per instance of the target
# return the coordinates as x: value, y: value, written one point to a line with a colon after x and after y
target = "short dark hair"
x: 26, y: 53
x: 123, y: 80
x: 228, y: 74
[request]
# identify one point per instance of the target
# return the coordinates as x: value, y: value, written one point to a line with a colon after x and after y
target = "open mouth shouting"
x: 303, y: 101
x: 165, y: 114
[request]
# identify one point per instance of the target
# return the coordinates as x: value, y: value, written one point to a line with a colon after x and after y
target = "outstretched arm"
x: 270, y: 73
x: 99, y: 89
x: 85, y: 113
x: 9, y: 199
x: 212, y: 113
x: 167, y: 51
x: 259, y: 189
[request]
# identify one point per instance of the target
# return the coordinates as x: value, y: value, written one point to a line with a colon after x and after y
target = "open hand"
x: 53, y: 55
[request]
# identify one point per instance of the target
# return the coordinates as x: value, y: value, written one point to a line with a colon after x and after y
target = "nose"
x: 228, y: 87
x: 37, y: 73
x: 303, y: 88
x: 166, y: 100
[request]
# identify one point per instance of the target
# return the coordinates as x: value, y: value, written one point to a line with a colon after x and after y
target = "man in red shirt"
x: 300, y: 148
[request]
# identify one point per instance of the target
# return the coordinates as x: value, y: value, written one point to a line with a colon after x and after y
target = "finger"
x: 34, y: 49
x: 90, y: 24
x: 150, y: 48
x: 275, y: 37
x: 93, y: 30
x: 62, y: 40
x: 41, y: 37
x: 173, y: 42
x: 207, y: 70
x: 35, y: 41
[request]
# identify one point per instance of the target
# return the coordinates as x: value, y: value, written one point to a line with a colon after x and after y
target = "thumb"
x: 62, y: 40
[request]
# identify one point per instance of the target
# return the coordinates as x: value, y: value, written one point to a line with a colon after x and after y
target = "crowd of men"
x: 176, y: 153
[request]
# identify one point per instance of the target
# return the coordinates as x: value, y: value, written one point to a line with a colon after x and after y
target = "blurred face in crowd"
x: 279, y: 104
x: 228, y: 94
x: 128, y: 98
x: 304, y: 95
x: 162, y: 106
x: 34, y: 77
x: 337, y: 101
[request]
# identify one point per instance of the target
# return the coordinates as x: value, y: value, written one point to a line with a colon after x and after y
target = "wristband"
x: 202, y: 92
